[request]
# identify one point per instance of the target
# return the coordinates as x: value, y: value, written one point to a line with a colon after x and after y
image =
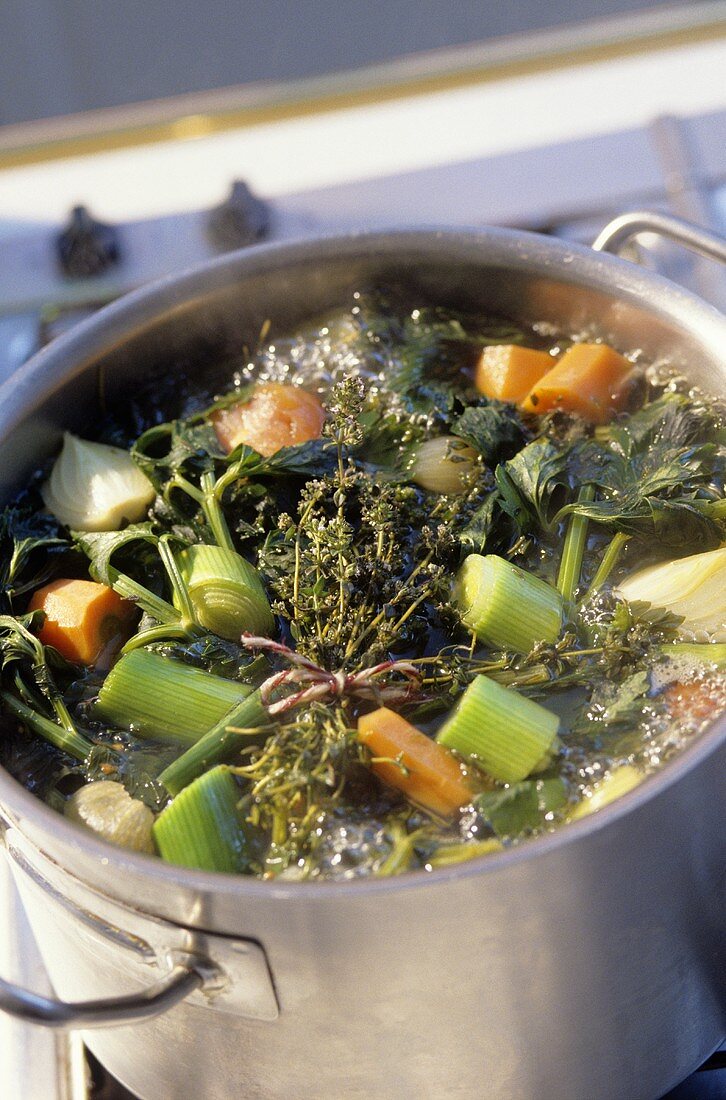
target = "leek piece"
x: 201, y: 827
x: 694, y: 587
x: 708, y: 653
x: 220, y: 743
x: 158, y: 697
x: 619, y: 782
x: 93, y: 487
x: 226, y: 592
x: 67, y: 740
x: 444, y: 465
x: 574, y: 548
x: 508, y: 734
x: 504, y: 606
x: 107, y: 808
x: 522, y: 806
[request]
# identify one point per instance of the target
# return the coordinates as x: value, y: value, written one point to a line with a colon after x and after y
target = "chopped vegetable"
x: 444, y: 465
x: 590, y: 379
x: 93, y: 487
x: 506, y: 607
x: 108, y: 809
x: 275, y: 416
x: 694, y: 587
x: 508, y: 735
x: 247, y: 720
x: 201, y: 827
x: 508, y: 372
x: 411, y: 762
x: 159, y: 697
x: 693, y: 702
x: 86, y: 622
x: 226, y: 592
x: 708, y: 653
x: 623, y: 779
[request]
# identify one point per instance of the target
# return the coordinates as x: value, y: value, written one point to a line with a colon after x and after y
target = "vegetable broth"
x: 357, y: 536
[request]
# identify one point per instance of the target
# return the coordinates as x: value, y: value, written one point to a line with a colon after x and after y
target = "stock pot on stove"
x: 589, y: 964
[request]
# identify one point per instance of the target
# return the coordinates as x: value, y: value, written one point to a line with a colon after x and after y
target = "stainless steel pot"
x: 586, y: 965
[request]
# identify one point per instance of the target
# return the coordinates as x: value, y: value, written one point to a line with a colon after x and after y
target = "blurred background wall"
x: 63, y: 56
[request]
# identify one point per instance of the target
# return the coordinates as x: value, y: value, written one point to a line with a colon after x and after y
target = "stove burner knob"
x: 86, y: 247
x: 241, y: 220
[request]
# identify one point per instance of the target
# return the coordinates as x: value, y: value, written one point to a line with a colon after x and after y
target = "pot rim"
x: 48, y: 370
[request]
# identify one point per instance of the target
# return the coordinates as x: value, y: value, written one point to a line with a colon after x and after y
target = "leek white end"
x: 93, y: 487
x: 226, y: 592
x: 694, y: 587
x: 506, y: 607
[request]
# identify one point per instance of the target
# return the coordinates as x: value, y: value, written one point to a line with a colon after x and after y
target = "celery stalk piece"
x: 201, y: 827
x: 220, y: 743
x: 506, y: 607
x: 694, y: 587
x: 226, y: 592
x: 158, y: 697
x: 619, y: 782
x: 507, y: 734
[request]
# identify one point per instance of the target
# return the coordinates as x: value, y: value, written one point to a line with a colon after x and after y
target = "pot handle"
x: 182, y: 980
x: 619, y: 231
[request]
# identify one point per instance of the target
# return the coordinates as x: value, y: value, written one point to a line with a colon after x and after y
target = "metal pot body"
x: 587, y: 964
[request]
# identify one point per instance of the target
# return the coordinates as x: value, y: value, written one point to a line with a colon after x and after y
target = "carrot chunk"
x: 86, y: 622
x: 508, y: 372
x: 275, y: 416
x: 695, y: 702
x: 432, y: 777
x: 590, y: 379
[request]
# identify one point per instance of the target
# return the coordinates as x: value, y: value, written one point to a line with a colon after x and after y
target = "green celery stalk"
x: 574, y: 548
x: 67, y: 740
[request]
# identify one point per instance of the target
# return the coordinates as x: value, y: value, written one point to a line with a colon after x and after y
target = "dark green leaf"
x: 522, y: 806
x: 494, y: 428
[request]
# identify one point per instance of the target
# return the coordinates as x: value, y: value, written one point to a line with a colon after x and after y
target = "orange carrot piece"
x: 508, y: 372
x: 695, y: 702
x: 86, y: 622
x: 275, y: 416
x: 590, y: 379
x: 433, y: 777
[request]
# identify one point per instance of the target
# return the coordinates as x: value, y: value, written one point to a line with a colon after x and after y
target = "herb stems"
x: 609, y: 560
x: 67, y: 740
x: 574, y: 548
